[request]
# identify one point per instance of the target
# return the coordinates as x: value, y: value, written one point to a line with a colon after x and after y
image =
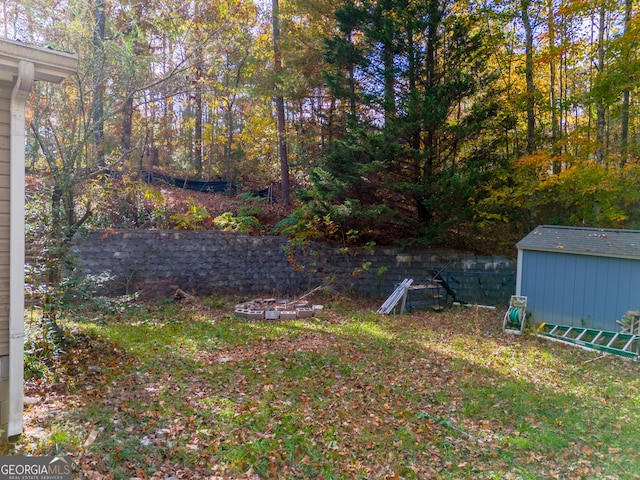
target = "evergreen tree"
x: 416, y: 74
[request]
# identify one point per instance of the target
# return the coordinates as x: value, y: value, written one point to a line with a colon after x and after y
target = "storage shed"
x: 20, y: 66
x: 582, y: 277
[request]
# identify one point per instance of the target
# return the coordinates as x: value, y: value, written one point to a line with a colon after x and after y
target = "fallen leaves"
x: 413, y: 396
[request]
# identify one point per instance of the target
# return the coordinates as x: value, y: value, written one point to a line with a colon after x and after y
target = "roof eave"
x: 574, y: 252
x: 49, y: 65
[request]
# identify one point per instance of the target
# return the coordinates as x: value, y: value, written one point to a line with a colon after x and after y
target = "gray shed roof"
x: 583, y: 241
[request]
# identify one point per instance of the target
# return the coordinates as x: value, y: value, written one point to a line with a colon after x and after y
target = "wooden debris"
x: 182, y: 296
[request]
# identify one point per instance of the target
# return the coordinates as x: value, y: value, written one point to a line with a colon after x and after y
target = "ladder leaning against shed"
x: 623, y: 344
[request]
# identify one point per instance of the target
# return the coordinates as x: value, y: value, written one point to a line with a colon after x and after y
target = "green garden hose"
x: 514, y: 316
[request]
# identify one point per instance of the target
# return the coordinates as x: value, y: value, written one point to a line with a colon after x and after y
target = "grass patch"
x: 189, y: 391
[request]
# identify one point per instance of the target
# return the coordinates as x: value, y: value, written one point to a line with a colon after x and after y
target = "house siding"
x: 20, y: 66
x: 5, y: 120
x: 579, y: 290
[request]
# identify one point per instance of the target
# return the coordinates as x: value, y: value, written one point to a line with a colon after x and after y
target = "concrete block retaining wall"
x: 157, y: 262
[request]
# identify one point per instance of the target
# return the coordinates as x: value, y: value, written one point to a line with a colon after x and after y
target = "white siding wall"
x: 29, y: 63
x: 5, y: 103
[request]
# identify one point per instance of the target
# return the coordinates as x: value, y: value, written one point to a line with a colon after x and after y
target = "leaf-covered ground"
x: 129, y: 204
x: 188, y: 392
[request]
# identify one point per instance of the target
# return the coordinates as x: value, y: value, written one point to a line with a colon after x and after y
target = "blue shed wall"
x: 579, y: 290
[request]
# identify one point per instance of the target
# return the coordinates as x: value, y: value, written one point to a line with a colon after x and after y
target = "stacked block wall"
x: 205, y: 262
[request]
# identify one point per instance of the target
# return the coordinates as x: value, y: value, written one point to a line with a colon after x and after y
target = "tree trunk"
x: 282, y: 139
x: 414, y: 116
x: 389, y: 73
x: 564, y: 111
x: 626, y: 98
x: 331, y: 117
x: 430, y: 127
x: 98, y: 83
x: 352, y: 89
x: 555, y: 125
x: 531, y: 89
x: 197, y: 157
x: 600, y: 108
x: 127, y: 127
x: 228, y: 149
